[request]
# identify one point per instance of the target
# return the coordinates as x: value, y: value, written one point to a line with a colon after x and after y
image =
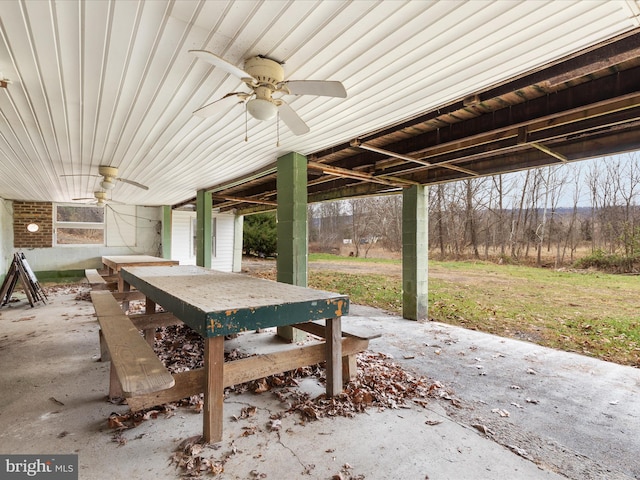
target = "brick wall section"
x: 25, y: 213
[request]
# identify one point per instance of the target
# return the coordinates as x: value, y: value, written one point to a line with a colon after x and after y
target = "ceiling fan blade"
x: 323, y: 88
x: 131, y: 182
x: 221, y: 63
x: 84, y: 198
x: 292, y: 119
x: 219, y: 104
x: 80, y: 175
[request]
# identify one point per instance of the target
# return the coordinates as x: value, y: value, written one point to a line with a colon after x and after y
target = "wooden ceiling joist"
x: 367, y: 177
x: 231, y: 198
x: 548, y: 151
x: 371, y: 148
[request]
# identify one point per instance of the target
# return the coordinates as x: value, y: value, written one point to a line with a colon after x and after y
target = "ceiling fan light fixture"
x: 262, y: 109
x: 107, y: 184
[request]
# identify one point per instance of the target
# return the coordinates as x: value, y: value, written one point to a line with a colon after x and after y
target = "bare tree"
x: 516, y: 221
x: 325, y: 224
x: 362, y: 228
x: 572, y: 236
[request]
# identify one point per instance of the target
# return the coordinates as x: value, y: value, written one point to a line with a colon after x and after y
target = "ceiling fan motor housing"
x: 265, y: 71
x: 101, y: 197
x: 267, y: 75
x: 109, y: 172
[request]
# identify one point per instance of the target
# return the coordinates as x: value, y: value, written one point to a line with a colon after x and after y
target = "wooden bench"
x: 252, y: 368
x: 135, y: 368
x: 96, y: 281
x: 349, y: 367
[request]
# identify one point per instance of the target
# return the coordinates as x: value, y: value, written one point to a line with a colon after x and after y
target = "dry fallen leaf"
x: 501, y: 412
x: 482, y: 428
x: 275, y: 425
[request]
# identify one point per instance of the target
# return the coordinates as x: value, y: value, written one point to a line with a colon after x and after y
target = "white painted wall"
x: 6, y: 235
x: 182, y: 234
x: 222, y: 256
x: 183, y: 239
x: 129, y: 230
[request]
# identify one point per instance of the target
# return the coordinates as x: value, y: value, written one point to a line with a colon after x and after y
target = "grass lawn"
x: 590, y: 313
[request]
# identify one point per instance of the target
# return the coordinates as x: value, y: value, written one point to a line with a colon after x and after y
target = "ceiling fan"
x: 110, y: 177
x: 99, y: 198
x: 265, y: 78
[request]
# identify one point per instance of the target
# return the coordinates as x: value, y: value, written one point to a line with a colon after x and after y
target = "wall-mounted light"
x: 4, y: 81
x: 33, y: 227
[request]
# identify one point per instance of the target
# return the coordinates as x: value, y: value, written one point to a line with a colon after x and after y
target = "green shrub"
x: 259, y: 235
x: 608, y: 262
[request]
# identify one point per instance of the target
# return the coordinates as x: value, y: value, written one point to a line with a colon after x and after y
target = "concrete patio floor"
x: 520, y: 412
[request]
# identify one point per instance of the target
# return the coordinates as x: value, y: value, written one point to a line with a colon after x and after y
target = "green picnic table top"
x: 217, y: 303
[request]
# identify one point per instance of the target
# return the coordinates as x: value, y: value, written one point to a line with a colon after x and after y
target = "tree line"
x: 552, y: 215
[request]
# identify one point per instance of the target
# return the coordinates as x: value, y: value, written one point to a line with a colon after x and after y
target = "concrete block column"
x: 203, y: 228
x: 292, y: 228
x: 415, y: 287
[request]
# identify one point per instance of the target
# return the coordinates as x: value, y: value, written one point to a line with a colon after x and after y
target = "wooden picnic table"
x: 216, y: 304
x: 115, y: 263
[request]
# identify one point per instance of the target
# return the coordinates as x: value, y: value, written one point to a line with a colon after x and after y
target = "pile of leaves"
x: 379, y: 383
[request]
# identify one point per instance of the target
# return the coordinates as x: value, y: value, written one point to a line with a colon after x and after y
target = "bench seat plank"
x: 318, y: 329
x: 96, y: 281
x: 138, y: 368
x: 105, y: 304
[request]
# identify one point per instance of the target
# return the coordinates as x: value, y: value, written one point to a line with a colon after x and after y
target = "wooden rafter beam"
x: 408, y: 158
x: 548, y: 151
x: 366, y: 177
x: 243, y: 199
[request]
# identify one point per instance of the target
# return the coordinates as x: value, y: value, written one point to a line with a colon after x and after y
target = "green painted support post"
x: 292, y: 228
x: 166, y: 231
x: 203, y: 228
x: 415, y: 286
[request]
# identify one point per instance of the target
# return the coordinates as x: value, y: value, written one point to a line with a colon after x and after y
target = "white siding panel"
x: 222, y: 258
x: 181, y: 237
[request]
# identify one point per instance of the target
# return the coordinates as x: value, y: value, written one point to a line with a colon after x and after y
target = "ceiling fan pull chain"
x: 246, y: 121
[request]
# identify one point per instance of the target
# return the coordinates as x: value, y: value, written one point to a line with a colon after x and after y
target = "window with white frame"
x: 79, y: 225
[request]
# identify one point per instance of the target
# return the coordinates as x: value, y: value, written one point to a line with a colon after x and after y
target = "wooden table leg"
x: 149, y: 333
x: 124, y: 287
x: 122, y: 283
x: 333, y: 343
x: 213, y: 389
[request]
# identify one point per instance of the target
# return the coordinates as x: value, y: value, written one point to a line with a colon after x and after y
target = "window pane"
x: 79, y: 236
x: 70, y: 213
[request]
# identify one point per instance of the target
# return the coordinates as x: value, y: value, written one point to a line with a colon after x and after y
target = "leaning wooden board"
x: 217, y: 303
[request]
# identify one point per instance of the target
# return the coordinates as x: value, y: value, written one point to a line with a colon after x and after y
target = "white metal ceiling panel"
x: 112, y: 82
